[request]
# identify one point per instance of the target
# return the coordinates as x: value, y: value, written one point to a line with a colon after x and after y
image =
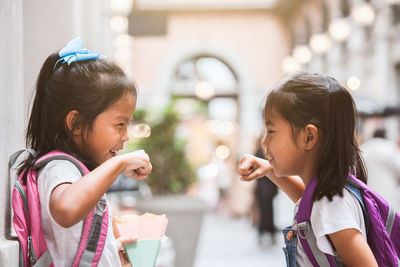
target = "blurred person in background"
x: 382, y: 159
x: 264, y: 194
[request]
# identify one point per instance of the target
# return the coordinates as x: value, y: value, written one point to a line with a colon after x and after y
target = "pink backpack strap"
x: 93, y: 236
x: 95, y: 226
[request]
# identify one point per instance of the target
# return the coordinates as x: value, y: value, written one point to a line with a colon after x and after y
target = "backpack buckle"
x: 102, y: 205
x: 305, y: 226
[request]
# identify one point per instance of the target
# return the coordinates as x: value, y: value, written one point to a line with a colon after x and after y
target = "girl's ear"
x: 310, y: 137
x: 71, y: 120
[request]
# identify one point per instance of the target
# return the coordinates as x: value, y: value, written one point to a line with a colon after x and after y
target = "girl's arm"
x: 353, y: 248
x: 251, y: 167
x: 70, y: 203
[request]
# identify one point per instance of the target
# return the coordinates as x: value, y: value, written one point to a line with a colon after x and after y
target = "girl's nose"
x: 125, y: 136
x: 264, y: 141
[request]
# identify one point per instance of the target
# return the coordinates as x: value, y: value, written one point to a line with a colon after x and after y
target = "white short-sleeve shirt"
x: 63, y: 243
x: 329, y: 217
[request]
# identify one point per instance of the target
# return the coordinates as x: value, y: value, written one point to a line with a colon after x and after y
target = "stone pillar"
x: 11, y: 115
x: 49, y: 24
x: 30, y: 31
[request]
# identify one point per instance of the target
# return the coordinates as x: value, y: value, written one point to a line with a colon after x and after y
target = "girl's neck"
x: 309, y: 172
x: 310, y: 163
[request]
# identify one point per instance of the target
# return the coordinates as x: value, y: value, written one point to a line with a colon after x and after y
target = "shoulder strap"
x: 305, y: 232
x: 354, y: 189
x: 58, y: 155
x: 95, y: 226
x: 93, y: 236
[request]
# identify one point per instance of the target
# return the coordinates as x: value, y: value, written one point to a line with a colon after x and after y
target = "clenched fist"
x: 137, y: 164
x: 251, y: 167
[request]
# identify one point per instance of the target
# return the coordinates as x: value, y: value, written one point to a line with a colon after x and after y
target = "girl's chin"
x: 106, y: 157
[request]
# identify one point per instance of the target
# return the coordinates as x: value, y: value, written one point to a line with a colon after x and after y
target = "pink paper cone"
x: 129, y: 229
x: 152, y: 228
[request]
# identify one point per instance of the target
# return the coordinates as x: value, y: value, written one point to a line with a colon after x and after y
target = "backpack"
x: 381, y: 220
x: 28, y: 224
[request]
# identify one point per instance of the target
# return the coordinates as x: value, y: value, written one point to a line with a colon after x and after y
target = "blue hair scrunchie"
x: 74, y: 51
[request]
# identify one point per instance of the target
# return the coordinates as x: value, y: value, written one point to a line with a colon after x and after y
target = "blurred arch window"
x: 205, y: 89
x: 204, y: 77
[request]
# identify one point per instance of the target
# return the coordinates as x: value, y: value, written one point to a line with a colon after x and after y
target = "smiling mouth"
x: 113, y: 152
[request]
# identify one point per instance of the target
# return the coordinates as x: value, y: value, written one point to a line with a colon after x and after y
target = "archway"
x: 205, y: 90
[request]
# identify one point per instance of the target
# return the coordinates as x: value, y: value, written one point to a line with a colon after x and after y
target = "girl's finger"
x: 131, y: 174
x: 245, y: 168
x: 141, y: 177
x: 252, y: 176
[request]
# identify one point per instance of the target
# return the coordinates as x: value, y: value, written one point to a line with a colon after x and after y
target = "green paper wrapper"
x: 143, y: 253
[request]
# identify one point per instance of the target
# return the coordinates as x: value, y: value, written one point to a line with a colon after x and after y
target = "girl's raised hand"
x: 251, y: 167
x: 137, y: 164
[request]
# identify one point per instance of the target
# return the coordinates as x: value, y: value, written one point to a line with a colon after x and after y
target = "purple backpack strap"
x: 305, y: 232
x: 95, y: 226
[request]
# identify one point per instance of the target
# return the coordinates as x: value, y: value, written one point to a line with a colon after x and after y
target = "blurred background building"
x: 215, y: 61
x: 357, y: 43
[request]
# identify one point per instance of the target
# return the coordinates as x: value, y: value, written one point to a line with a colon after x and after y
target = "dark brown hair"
x: 89, y: 87
x: 306, y: 98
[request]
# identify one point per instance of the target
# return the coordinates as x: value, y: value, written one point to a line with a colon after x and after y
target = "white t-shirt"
x: 329, y: 217
x: 63, y: 243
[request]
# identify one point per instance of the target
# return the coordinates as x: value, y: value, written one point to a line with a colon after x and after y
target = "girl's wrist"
x: 269, y: 172
x: 118, y: 163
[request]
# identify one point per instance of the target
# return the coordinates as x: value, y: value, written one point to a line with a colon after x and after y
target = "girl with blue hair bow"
x: 82, y: 107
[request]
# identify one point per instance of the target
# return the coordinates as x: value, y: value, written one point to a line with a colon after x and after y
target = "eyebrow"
x: 124, y: 118
x: 269, y: 122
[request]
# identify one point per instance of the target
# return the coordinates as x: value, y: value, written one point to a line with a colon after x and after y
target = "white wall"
x: 30, y: 31
x: 50, y: 24
x: 11, y: 112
